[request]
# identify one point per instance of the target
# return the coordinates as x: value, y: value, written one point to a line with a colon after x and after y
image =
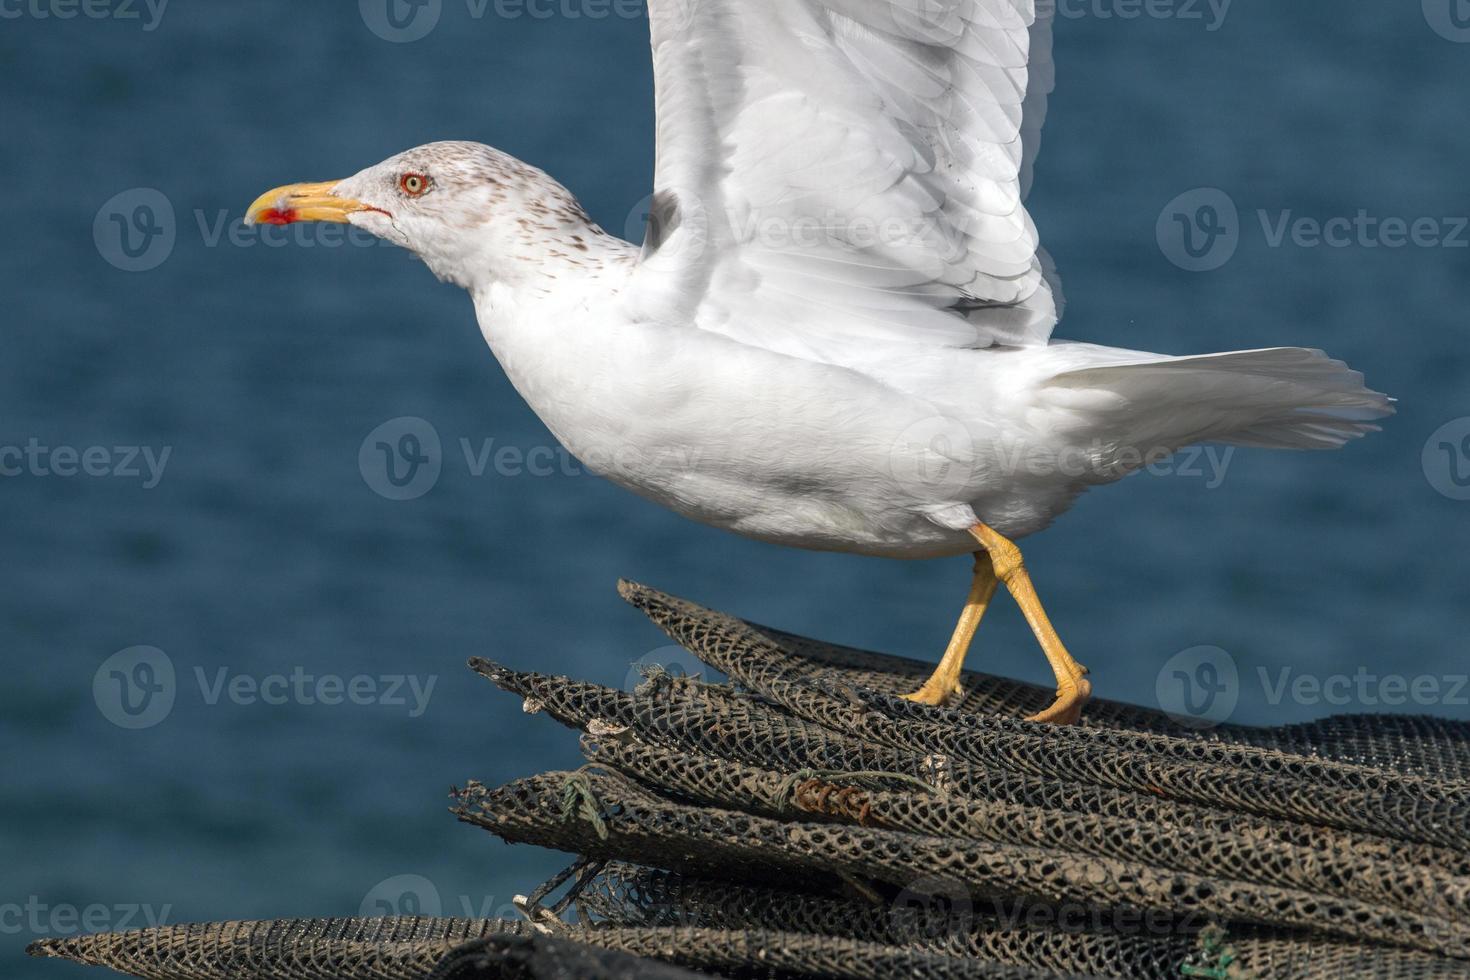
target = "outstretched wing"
x: 840, y: 172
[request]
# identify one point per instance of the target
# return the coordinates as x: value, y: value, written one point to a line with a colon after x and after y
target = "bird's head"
x: 471, y: 212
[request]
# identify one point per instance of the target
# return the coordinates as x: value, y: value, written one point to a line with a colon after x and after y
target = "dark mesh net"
x: 803, y: 821
x: 354, y: 949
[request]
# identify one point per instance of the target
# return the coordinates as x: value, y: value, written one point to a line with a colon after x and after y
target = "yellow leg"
x: 944, y: 683
x: 1073, y: 689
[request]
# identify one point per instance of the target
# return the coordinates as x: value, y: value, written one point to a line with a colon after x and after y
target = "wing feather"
x: 841, y: 171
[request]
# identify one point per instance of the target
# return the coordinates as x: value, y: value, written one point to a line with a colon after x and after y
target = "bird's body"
x: 884, y: 449
x: 837, y: 333
x: 788, y: 450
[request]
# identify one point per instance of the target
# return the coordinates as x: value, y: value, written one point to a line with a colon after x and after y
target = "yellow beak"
x: 303, y: 202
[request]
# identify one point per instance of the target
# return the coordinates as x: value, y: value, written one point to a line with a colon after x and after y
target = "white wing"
x: 833, y: 172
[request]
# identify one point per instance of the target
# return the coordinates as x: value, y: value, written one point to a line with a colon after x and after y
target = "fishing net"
x: 356, y: 949
x: 801, y: 820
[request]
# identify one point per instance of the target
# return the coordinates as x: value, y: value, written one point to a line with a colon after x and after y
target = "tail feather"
x: 1277, y: 398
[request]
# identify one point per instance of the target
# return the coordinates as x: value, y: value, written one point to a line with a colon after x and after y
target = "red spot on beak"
x: 276, y: 216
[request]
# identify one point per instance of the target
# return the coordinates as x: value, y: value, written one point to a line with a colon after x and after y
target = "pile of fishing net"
x: 802, y: 820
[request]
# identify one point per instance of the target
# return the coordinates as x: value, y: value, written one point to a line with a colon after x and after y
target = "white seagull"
x: 836, y: 333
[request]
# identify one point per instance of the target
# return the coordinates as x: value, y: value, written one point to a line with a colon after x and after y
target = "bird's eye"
x: 414, y: 184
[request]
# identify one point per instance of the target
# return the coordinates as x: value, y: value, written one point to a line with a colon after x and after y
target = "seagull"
x: 836, y: 333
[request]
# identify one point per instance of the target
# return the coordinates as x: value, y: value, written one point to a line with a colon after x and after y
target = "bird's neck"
x: 541, y: 265
x: 556, y: 251
x: 530, y: 234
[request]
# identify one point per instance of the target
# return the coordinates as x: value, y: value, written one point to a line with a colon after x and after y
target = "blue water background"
x: 263, y: 550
